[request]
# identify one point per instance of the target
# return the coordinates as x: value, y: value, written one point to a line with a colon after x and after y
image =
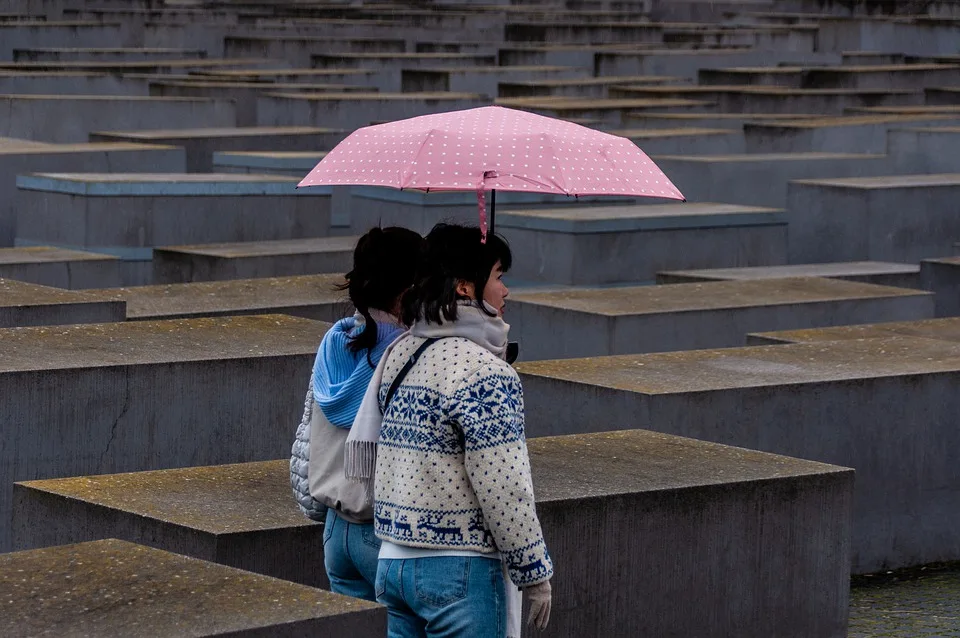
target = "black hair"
x: 454, y: 253
x: 385, y: 265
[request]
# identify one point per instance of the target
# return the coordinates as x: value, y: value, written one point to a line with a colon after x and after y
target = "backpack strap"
x: 412, y: 361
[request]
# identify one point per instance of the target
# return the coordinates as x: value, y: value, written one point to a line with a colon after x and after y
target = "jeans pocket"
x: 443, y: 580
x: 328, y: 525
x: 380, y: 582
x: 369, y: 536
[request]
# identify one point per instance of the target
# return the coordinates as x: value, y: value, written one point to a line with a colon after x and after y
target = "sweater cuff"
x: 530, y: 565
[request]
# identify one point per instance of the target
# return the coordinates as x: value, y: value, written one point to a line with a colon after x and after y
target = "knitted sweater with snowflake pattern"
x: 452, y: 466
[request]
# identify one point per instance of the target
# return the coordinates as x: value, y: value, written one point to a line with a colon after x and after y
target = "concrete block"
x: 610, y: 112
x: 653, y: 119
x: 28, y: 304
x: 941, y: 95
x: 390, y: 65
x: 21, y: 35
x: 297, y: 49
x: 687, y: 62
x: 873, y: 219
x: 885, y: 407
x: 584, y: 33
x: 579, y: 245
x: 686, y: 141
x: 71, y: 83
x: 483, y: 80
x: 943, y: 329
x: 591, y: 322
x: 367, y: 206
x: 760, y: 179
x: 71, y: 118
x: 870, y: 272
x: 359, y: 77
x: 353, y: 110
x: 59, y: 268
x: 201, y: 144
x: 291, y: 163
x: 127, y: 214
x: 813, y: 101
x: 96, y: 54
x: 863, y: 134
x: 924, y: 149
x: 144, y: 395
x: 308, y: 296
x: 899, y: 76
x: 942, y: 277
x: 659, y: 488
x: 112, y: 587
x: 578, y: 87
x: 784, y: 76
x: 262, y: 530
x: 18, y: 158
x: 247, y: 260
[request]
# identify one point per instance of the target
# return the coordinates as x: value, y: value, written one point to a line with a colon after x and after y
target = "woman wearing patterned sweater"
x: 453, y: 492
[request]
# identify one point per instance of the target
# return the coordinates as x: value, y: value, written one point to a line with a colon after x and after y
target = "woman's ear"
x: 465, y: 289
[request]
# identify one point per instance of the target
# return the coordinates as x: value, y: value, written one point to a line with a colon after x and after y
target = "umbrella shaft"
x: 493, y: 211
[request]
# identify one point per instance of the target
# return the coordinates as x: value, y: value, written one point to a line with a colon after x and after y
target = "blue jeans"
x: 350, y: 553
x: 443, y: 597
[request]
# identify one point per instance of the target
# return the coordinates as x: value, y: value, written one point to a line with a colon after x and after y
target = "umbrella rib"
x: 426, y: 138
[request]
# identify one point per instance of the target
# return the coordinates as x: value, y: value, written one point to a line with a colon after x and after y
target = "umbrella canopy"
x: 492, y: 148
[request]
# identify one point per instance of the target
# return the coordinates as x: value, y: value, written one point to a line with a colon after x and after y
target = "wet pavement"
x: 924, y: 602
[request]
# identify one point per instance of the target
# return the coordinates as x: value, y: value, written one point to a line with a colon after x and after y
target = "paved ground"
x: 925, y: 602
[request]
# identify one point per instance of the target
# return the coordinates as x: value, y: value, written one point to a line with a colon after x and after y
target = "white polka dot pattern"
x: 496, y: 147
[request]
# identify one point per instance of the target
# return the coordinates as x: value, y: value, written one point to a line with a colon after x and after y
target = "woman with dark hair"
x: 385, y: 264
x: 440, y: 433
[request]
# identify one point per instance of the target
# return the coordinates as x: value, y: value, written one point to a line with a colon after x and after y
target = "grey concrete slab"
x: 670, y: 485
x: 262, y: 531
x: 144, y: 395
x: 29, y: 304
x: 873, y: 218
x: 591, y: 322
x: 105, y: 54
x: 760, y: 179
x: 368, y: 206
x: 946, y: 109
x: 297, y: 49
x: 127, y: 214
x: 942, y: 277
x: 592, y: 87
x: 575, y: 55
x: 353, y: 110
x: 687, y: 63
x: 164, y: 594
x: 814, y: 101
x: 18, y: 158
x: 685, y: 141
x: 870, y: 58
x: 943, y: 329
x: 71, y: 118
x: 483, y: 79
x: 924, y: 149
x: 941, y: 95
x: 579, y: 245
x: 900, y: 76
x: 59, y: 268
x: 859, y: 134
x: 309, y: 296
x: 884, y: 407
x: 71, y: 83
x: 292, y: 163
x: 785, y: 76
x: 243, y: 95
x: 610, y: 112
x: 147, y: 66
x: 796, y: 38
x: 201, y: 144
x: 576, y: 32
x: 359, y: 77
x: 391, y: 64
x: 653, y: 119
x: 870, y: 272
x: 914, y: 35
x: 247, y: 260
x: 20, y: 35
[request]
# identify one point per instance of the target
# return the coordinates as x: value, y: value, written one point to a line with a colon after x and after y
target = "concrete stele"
x: 945, y: 329
x: 28, y: 304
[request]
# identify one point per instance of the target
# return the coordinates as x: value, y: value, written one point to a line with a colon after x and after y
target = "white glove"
x: 539, y: 597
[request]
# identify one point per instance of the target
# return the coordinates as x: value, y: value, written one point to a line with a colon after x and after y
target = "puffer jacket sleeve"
x: 300, y: 465
x: 488, y: 406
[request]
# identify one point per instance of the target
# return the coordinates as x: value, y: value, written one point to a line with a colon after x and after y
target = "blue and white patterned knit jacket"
x: 452, y: 465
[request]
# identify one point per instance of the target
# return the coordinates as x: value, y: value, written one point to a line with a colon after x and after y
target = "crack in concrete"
x: 116, y: 423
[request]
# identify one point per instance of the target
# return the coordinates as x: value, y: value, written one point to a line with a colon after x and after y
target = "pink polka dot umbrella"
x: 492, y: 148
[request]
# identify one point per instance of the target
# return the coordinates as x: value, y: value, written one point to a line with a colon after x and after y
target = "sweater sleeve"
x: 488, y: 406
